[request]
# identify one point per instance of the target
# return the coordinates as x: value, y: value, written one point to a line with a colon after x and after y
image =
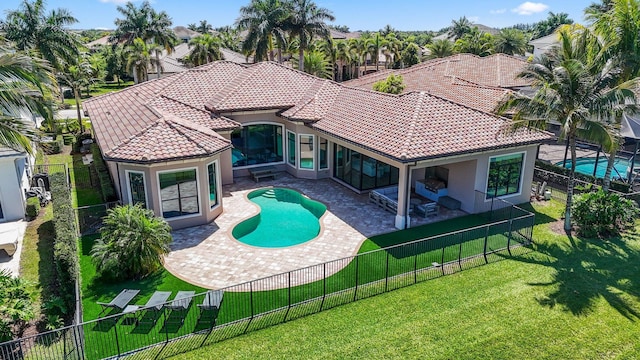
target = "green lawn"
x: 572, y: 298
x: 36, y: 260
x: 99, y: 89
x: 240, y: 304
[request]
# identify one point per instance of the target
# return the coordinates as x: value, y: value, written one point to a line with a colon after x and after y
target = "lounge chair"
x: 120, y: 301
x: 211, y: 303
x: 178, y: 307
x: 153, y: 305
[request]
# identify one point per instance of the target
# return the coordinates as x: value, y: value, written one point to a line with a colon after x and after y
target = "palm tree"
x: 77, y: 77
x: 139, y: 60
x: 25, y: 83
x: 510, y: 41
x: 359, y: 49
x: 617, y: 23
x: 317, y: 63
x: 475, y: 42
x: 343, y: 58
x: 460, y: 27
x: 440, y: 49
x: 573, y: 90
x: 203, y: 28
x: 133, y: 25
x: 264, y: 20
x: 132, y: 243
x: 393, y: 49
x: 162, y: 34
x: 375, y: 44
x: 205, y: 49
x: 31, y: 29
x: 305, y: 21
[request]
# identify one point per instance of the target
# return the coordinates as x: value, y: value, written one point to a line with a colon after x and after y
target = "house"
x: 171, y: 143
x: 544, y: 44
x: 14, y: 182
x: 172, y: 62
x: 467, y: 79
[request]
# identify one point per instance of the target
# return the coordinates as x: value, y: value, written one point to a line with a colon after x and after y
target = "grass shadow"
x: 587, y: 270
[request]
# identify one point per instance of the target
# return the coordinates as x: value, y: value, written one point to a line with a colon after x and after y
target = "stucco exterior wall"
x: 13, y: 181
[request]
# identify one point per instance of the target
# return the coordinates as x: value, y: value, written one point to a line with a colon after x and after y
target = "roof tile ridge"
x: 412, y: 126
x: 172, y: 124
x: 136, y: 135
x: 232, y: 86
x: 173, y: 119
x: 185, y: 104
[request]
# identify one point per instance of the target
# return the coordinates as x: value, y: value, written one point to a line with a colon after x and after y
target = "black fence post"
x: 442, y: 259
x: 355, y: 292
x: 289, y: 297
x: 509, y: 237
x: 115, y: 330
x: 415, y: 265
x: 324, y: 284
x: 386, y: 275
x: 64, y: 343
x: 250, y: 305
x: 166, y: 328
x: 486, y: 237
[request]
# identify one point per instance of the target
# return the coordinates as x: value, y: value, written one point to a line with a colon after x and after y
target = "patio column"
x: 404, y: 190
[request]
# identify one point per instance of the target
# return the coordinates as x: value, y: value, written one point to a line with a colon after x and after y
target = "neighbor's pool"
x: 586, y: 165
x: 286, y: 218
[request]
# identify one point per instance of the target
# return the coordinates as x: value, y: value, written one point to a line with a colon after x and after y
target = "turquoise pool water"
x: 286, y: 218
x: 586, y: 165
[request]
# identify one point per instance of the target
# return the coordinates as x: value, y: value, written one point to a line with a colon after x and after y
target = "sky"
x: 357, y: 15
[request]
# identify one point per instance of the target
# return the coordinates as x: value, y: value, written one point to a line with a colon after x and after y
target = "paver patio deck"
x: 210, y: 257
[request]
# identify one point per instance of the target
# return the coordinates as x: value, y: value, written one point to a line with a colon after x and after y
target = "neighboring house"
x: 544, y: 44
x: 14, y: 182
x: 170, y: 144
x: 173, y: 62
x: 470, y: 80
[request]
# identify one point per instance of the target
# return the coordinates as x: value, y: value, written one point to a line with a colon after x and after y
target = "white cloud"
x: 499, y: 11
x: 530, y: 8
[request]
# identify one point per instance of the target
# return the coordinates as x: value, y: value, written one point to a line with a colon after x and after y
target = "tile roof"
x: 174, y: 117
x: 477, y: 82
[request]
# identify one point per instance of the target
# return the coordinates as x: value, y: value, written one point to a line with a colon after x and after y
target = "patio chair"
x: 178, y: 307
x: 120, y: 301
x: 211, y: 303
x: 152, y: 308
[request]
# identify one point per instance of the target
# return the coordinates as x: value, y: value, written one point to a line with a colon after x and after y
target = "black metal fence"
x: 160, y: 332
x: 557, y: 186
x: 89, y: 218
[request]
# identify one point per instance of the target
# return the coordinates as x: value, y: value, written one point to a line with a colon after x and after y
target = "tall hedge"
x: 65, y: 251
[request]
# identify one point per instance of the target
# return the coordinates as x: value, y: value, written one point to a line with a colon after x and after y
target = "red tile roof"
x: 477, y: 82
x: 173, y: 117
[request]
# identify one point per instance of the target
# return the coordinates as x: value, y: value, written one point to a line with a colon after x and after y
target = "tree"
x: 617, y: 23
x: 375, y: 44
x: 138, y: 60
x: 132, y: 244
x: 77, y: 77
x: 460, y: 27
x: 115, y: 62
x: 411, y: 55
x: 358, y: 48
x: 264, y: 20
x: 316, y: 63
x: 343, y: 58
x: 571, y: 87
x: 203, y: 28
x: 386, y: 30
x: 26, y: 83
x: 550, y: 24
x: 393, y: 84
x: 229, y: 38
x: 31, y: 29
x: 305, y: 21
x: 205, y: 49
x: 475, y: 42
x: 511, y: 42
x: 440, y: 49
x: 393, y: 49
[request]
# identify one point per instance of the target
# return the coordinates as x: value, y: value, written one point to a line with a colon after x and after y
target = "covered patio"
x: 210, y: 257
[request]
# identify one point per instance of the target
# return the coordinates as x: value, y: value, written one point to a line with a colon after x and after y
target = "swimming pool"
x: 586, y: 165
x: 286, y: 218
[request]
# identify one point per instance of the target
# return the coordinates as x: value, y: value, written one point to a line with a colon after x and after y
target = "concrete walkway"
x: 11, y: 230
x: 210, y: 257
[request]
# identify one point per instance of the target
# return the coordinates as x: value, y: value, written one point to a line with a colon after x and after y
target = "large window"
x: 323, y: 146
x: 291, y: 148
x: 505, y: 173
x: 257, y: 144
x: 137, y: 192
x: 213, y: 185
x: 306, y: 152
x: 361, y: 171
x: 178, y: 193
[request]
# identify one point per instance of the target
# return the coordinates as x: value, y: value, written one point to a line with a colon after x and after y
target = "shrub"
x: 106, y: 185
x: 65, y: 251
x: 132, y: 244
x: 33, y: 207
x: 53, y: 147
x: 16, y: 308
x: 600, y: 214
